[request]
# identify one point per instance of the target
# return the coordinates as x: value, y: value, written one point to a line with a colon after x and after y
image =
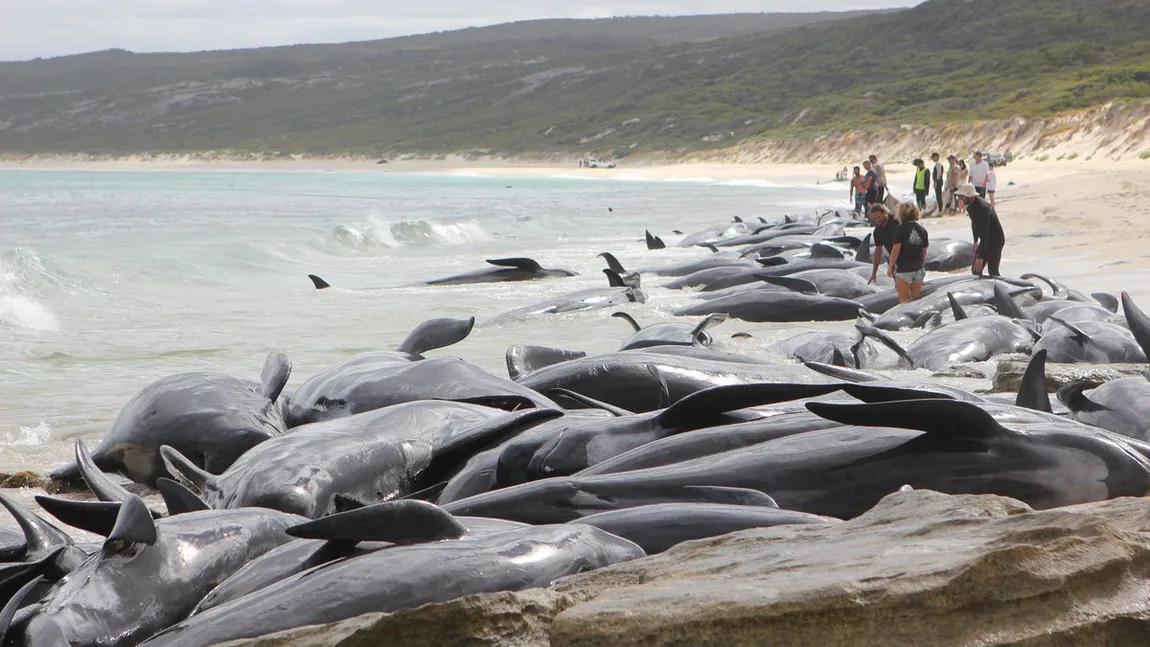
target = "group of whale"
x: 391, y: 479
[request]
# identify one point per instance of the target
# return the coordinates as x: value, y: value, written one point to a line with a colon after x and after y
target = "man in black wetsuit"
x: 985, y: 228
x: 884, y: 228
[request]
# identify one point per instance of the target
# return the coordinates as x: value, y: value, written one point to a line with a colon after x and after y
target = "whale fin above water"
x: 614, y: 280
x: 837, y: 358
x: 1032, y: 391
x: 98, y: 482
x: 178, y: 498
x: 40, y: 536
x: 1106, y: 300
x: 654, y: 242
x: 518, y: 263
x: 1077, y: 334
x: 862, y: 254
x: 941, y: 416
x: 955, y: 307
x: 629, y: 319
x: 1074, y: 397
x: 523, y: 359
x: 403, y: 522
x: 885, y: 340
x: 1138, y: 321
x: 612, y: 262
x: 274, y: 376
x: 436, y: 333
x: 13, y: 604
x: 134, y: 525
x: 1005, y: 304
x: 319, y: 283
x: 711, y: 321
x: 96, y: 517
x: 182, y: 469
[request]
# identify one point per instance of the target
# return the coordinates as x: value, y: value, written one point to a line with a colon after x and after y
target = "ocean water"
x: 110, y: 280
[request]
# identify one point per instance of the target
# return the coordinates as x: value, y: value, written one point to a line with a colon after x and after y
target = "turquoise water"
x: 109, y: 280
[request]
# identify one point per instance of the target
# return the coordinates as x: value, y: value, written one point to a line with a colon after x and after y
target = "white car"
x: 595, y: 162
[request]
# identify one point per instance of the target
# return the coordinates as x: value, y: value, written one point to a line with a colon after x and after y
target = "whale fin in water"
x: 612, y: 262
x: 629, y: 319
x: 436, y: 333
x: 654, y: 242
x: 274, y: 376
x: 319, y: 283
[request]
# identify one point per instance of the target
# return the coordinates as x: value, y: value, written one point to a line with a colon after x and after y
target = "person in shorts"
x: 908, y: 255
x: 883, y: 236
x: 858, y: 191
x: 991, y: 186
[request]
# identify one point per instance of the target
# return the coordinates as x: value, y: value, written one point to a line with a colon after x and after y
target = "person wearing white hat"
x: 985, y: 228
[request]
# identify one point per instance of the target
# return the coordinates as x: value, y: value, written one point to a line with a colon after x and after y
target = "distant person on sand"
x: 985, y: 228
x: 952, y: 173
x: 870, y: 184
x: 883, y: 236
x: 963, y: 172
x: 880, y: 174
x: 937, y: 176
x: 991, y: 185
x: 908, y: 255
x: 921, y: 183
x: 858, y: 191
x: 979, y: 172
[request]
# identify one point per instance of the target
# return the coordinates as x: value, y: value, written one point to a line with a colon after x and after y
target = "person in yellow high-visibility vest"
x: 921, y: 183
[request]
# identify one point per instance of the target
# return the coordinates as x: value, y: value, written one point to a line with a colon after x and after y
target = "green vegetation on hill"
x: 634, y: 84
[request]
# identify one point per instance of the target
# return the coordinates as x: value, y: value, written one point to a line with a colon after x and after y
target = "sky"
x: 44, y: 28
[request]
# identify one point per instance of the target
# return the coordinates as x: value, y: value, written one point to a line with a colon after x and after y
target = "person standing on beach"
x: 870, y: 183
x: 908, y: 255
x: 952, y: 183
x: 991, y: 185
x: 858, y: 191
x: 979, y: 171
x: 985, y: 228
x: 880, y: 177
x: 937, y: 176
x: 921, y: 183
x: 963, y: 172
x: 883, y: 236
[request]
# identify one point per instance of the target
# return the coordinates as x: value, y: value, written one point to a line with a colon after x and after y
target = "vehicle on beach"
x: 596, y: 162
x: 998, y: 159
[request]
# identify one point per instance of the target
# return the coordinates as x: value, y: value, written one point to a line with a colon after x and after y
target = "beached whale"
x: 669, y: 333
x: 619, y: 293
x: 504, y: 270
x: 213, y: 418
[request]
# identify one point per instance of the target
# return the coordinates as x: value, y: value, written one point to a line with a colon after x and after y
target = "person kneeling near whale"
x: 908, y: 254
x: 883, y: 237
x: 985, y: 228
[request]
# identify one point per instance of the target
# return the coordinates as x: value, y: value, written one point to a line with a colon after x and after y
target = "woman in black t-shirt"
x: 908, y: 255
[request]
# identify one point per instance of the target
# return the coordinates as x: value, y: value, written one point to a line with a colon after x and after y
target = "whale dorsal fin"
x: 654, y: 242
x: 523, y: 359
x: 613, y: 262
x: 405, y: 521
x: 614, y: 280
x: 1004, y: 304
x: 1032, y: 390
x: 134, y: 525
x: 629, y: 319
x: 956, y: 307
x: 183, y: 469
x: 96, y: 517
x: 519, y: 263
x: 178, y: 498
x: 319, y: 283
x: 822, y: 250
x: 1138, y: 321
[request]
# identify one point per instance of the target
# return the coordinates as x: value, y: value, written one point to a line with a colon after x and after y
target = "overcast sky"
x: 31, y: 28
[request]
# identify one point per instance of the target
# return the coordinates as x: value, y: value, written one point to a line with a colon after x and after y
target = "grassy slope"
x: 592, y: 85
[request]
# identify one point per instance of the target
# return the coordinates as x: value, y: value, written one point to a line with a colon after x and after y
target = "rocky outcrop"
x: 921, y: 568
x: 1008, y: 374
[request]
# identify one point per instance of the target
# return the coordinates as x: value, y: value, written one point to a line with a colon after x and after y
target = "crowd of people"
x: 904, y: 242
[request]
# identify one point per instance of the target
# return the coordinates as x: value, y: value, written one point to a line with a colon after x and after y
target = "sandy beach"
x: 1072, y: 216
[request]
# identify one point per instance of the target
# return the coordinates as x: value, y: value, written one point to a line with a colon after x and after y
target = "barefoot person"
x: 883, y: 237
x: 908, y: 254
x: 858, y: 191
x: 985, y: 228
x: 937, y: 176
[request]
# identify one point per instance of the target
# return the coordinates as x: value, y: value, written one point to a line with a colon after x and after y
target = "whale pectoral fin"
x: 1106, y: 300
x: 404, y: 522
x: 319, y: 283
x: 134, y: 525
x: 1138, y: 321
x: 1005, y: 304
x: 711, y: 321
x: 732, y: 495
x: 885, y: 340
x: 1032, y: 391
x: 436, y: 333
x: 97, y: 517
x: 628, y: 318
x: 1077, y: 334
x: 1074, y: 397
x: 13, y: 605
x: 558, y: 393
x: 178, y: 498
x: 771, y: 261
x: 274, y: 376
x: 944, y: 417
x: 182, y: 469
x: 448, y: 457
x: 523, y: 360
x: 872, y: 393
x: 519, y: 263
x: 703, y: 406
x: 840, y: 373
x: 98, y: 482
x: 714, y: 250
x: 39, y: 535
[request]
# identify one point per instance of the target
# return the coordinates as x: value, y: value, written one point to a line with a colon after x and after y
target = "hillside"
x: 604, y: 86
